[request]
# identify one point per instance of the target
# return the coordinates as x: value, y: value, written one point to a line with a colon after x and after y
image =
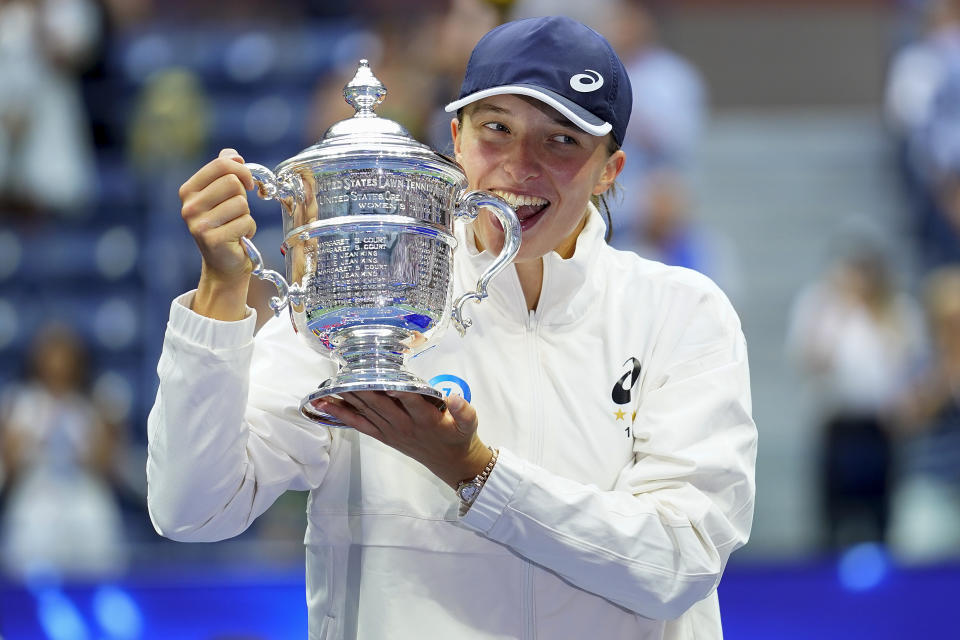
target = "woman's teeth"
x: 516, y: 200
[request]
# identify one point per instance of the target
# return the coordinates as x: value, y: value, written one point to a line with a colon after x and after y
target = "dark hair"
x: 599, y: 201
x: 57, y: 334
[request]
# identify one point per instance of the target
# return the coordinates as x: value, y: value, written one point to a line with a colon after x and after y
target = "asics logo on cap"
x: 585, y: 83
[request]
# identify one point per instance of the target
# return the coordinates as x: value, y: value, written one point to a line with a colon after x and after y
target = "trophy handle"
x: 288, y: 294
x: 269, y: 188
x: 468, y: 206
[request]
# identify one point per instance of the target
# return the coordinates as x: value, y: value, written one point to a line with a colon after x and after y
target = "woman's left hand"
x: 444, y: 442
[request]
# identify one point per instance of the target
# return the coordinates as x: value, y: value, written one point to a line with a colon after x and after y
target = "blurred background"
x: 805, y: 154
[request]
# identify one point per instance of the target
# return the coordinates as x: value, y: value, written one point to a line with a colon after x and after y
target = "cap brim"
x: 575, y: 113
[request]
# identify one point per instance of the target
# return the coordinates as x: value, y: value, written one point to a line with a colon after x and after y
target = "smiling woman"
x: 534, y: 157
x: 593, y: 468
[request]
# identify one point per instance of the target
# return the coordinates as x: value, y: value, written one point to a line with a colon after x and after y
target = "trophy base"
x: 337, y: 385
x: 372, y: 360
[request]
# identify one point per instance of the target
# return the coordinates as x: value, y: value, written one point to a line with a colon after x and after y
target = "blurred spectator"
x: 926, y: 517
x: 669, y: 95
x: 400, y: 50
x: 918, y: 69
x: 922, y: 105
x: 938, y: 206
x: 665, y: 229
x: 59, y: 454
x: 170, y: 123
x: 669, y: 110
x: 669, y: 114
x: 457, y: 31
x: 46, y: 160
x: 857, y: 337
x: 124, y: 15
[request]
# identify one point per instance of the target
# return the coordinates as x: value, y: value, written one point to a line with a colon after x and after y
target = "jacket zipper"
x: 536, y: 455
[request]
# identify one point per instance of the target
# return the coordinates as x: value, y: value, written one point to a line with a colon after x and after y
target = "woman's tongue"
x: 528, y: 214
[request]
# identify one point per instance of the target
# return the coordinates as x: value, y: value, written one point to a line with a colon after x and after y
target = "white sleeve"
x: 221, y: 448
x: 659, y: 541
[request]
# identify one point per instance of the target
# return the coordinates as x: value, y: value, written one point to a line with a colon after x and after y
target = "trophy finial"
x: 364, y: 92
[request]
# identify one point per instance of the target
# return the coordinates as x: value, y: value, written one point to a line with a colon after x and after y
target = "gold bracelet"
x: 468, y: 490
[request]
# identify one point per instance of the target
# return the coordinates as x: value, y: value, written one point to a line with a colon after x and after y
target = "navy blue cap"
x: 556, y: 60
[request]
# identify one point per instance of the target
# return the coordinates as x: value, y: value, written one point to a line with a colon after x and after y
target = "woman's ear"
x: 455, y: 133
x: 611, y: 169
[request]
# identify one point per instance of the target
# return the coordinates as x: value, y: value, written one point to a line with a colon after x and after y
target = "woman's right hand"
x: 217, y: 214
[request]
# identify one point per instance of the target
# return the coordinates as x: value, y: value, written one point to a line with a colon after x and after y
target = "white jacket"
x: 621, y: 409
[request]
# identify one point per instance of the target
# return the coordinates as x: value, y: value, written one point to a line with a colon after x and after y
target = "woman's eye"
x: 565, y: 139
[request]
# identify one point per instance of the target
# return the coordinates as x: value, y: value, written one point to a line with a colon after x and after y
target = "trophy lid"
x: 366, y: 134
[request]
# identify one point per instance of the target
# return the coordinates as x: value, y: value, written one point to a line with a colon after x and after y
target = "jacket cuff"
x: 497, y: 491
x: 206, y: 332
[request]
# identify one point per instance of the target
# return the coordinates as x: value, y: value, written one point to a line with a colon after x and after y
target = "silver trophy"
x: 368, y: 218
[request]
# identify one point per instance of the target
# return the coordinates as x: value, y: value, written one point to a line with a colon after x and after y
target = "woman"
x: 595, y: 469
x: 856, y: 336
x: 59, y: 453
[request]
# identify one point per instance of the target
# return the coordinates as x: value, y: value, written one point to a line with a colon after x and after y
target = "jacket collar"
x: 563, y: 299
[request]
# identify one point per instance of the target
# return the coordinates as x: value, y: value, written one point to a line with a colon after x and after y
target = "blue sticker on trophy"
x: 451, y: 386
